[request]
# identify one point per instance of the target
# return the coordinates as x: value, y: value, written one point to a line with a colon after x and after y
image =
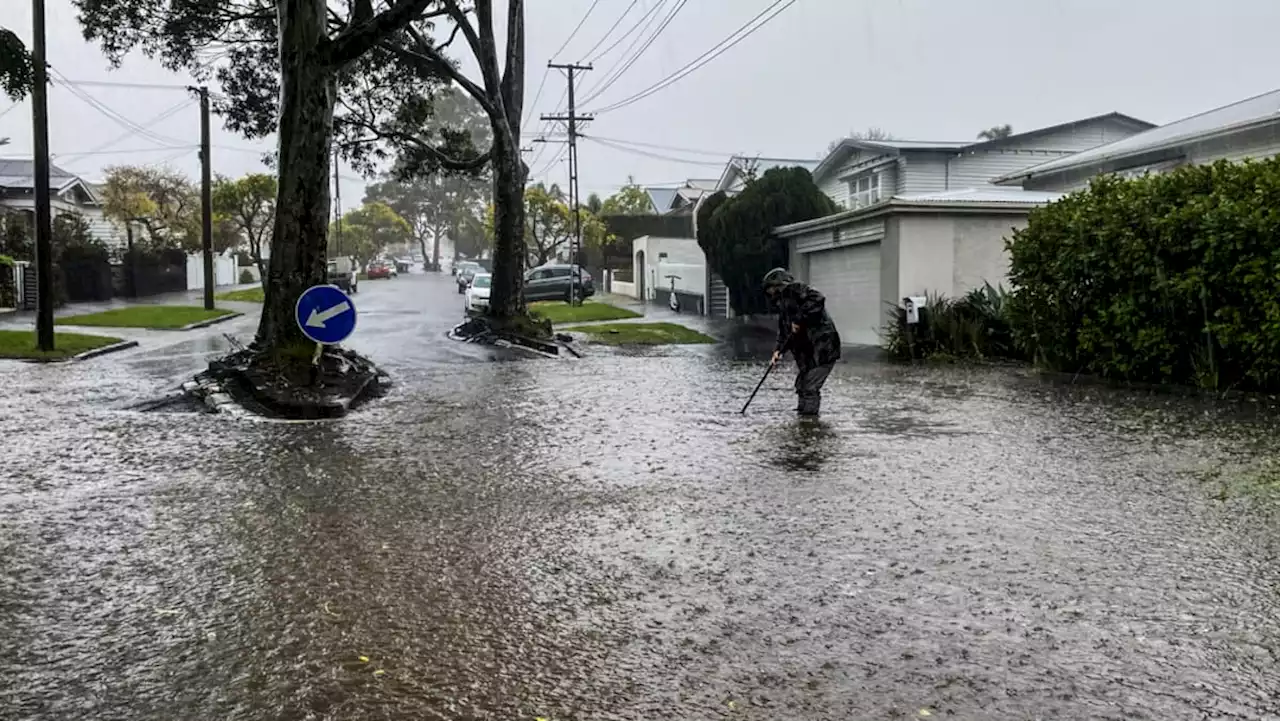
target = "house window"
x: 864, y: 191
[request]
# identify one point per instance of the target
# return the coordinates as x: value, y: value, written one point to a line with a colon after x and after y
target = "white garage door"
x: 850, y: 279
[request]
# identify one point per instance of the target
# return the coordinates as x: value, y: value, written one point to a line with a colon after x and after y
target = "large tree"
x: 248, y: 206
x: 432, y: 206
x: 370, y: 230
x: 289, y: 62
x: 162, y: 202
x: 549, y: 224
x: 16, y: 71
x: 631, y: 199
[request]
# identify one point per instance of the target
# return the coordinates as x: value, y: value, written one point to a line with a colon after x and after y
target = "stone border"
x: 86, y: 355
x: 206, y: 323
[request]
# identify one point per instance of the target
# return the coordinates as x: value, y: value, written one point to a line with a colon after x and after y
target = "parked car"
x: 555, y: 282
x: 467, y: 270
x: 378, y: 271
x: 403, y: 265
x: 342, y: 273
x: 477, y: 296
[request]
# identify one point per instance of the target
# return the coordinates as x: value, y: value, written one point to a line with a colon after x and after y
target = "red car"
x: 378, y: 271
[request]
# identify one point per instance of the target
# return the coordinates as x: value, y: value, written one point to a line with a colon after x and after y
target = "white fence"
x: 225, y: 271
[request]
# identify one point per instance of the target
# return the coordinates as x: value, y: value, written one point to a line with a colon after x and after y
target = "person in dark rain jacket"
x: 805, y: 329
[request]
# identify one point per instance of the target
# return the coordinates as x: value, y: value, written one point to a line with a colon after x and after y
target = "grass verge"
x: 246, y: 295
x: 22, y: 344
x: 642, y: 334
x: 157, y: 317
x: 561, y: 312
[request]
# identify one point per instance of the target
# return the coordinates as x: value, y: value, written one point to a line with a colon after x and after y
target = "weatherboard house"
x: 923, y: 217
x: 69, y: 193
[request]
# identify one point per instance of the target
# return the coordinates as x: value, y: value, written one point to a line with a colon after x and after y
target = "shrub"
x: 1171, y: 278
x: 246, y: 276
x: 973, y: 327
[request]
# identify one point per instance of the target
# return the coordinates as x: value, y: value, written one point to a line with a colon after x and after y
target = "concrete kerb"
x: 212, y: 321
x: 86, y: 355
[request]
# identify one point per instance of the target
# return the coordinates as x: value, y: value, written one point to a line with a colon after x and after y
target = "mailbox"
x: 913, y: 304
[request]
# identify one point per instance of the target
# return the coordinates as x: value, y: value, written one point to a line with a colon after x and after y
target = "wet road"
x: 608, y: 539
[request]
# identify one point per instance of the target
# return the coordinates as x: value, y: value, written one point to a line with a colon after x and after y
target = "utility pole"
x: 337, y: 198
x: 206, y: 197
x: 572, y: 118
x: 44, y: 208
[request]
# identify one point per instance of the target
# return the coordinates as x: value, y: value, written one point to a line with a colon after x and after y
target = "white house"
x: 922, y: 217
x: 1246, y: 129
x: 659, y: 264
x: 68, y: 193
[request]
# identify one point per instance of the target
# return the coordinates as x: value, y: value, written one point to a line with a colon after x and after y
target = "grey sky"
x: 921, y: 69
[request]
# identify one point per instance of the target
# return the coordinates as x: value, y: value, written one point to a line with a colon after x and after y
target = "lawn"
x: 22, y: 344
x: 158, y: 317
x: 642, y: 334
x: 561, y: 312
x: 246, y: 295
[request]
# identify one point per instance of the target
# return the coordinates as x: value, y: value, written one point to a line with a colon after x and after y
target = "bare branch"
x: 445, y: 161
x: 428, y: 61
x: 513, y: 73
x: 459, y: 16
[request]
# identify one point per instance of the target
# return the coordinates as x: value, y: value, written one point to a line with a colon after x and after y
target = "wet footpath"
x: 608, y: 538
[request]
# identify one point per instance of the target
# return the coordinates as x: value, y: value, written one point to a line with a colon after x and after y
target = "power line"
x: 632, y: 61
x: 150, y: 123
x: 715, y: 52
x: 575, y: 30
x: 116, y: 117
x: 716, y: 153
x: 536, y: 96
x: 640, y: 21
x: 110, y: 84
x: 613, y: 27
x: 657, y: 156
x: 62, y: 157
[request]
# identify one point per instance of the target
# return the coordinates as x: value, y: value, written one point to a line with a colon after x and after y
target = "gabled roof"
x: 895, y: 147
x: 1251, y: 112
x: 738, y: 165
x: 20, y: 174
x: 661, y: 197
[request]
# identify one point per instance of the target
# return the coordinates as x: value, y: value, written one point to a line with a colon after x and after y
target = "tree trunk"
x: 422, y: 247
x: 436, y: 232
x: 507, y: 293
x: 255, y: 250
x: 299, y: 243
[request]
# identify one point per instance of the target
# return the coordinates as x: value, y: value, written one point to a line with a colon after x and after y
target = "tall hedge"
x: 736, y: 232
x: 1171, y: 278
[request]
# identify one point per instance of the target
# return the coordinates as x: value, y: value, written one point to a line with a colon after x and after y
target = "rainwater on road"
x: 607, y: 538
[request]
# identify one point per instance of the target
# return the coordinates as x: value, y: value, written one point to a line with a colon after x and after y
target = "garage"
x: 850, y: 279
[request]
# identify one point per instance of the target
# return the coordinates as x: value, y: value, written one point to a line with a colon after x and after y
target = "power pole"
x: 573, y: 118
x: 44, y: 208
x: 337, y: 201
x: 206, y: 198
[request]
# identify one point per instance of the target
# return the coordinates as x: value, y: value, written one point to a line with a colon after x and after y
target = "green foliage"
x: 163, y: 202
x: 631, y: 199
x: 549, y: 224
x: 6, y: 261
x: 246, y: 276
x: 736, y: 233
x: 367, y: 231
x: 247, y: 208
x: 1171, y: 278
x: 16, y: 70
x: 973, y: 327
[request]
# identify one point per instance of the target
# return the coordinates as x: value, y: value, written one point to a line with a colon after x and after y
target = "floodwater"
x: 607, y: 538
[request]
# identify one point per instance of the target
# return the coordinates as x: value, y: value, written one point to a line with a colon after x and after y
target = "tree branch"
x: 361, y: 37
x: 428, y: 61
x: 445, y: 161
x: 513, y: 74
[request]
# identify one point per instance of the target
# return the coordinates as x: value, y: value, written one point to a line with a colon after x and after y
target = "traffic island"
x: 557, y: 312
x: 526, y: 332
x: 289, y: 385
x: 21, y: 345
x: 151, y: 317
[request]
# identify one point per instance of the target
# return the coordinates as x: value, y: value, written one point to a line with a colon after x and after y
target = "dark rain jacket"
x: 818, y: 342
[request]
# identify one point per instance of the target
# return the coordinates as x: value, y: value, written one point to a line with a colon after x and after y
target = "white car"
x: 477, y: 297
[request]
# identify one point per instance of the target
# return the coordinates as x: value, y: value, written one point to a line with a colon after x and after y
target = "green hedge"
x: 1171, y: 278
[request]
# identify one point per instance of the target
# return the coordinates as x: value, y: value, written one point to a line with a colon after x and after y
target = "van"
x: 342, y: 273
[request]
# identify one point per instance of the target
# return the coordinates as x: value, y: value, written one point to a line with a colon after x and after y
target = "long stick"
x: 767, y: 371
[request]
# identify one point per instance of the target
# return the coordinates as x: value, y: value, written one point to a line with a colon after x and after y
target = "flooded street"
x: 607, y: 538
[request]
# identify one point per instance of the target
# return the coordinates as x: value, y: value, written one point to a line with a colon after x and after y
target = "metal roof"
x: 1257, y: 110
x: 739, y: 163
x: 20, y: 173
x: 988, y: 194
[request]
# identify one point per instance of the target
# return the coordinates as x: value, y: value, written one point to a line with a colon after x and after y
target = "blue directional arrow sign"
x: 325, y: 314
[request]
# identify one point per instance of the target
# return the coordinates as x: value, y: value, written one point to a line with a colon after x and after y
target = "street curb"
x: 114, y: 347
x: 212, y: 321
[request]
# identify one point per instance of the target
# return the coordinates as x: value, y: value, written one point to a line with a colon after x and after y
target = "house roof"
x: 992, y: 199
x: 1251, y: 112
x: 664, y: 197
x: 20, y: 173
x: 739, y: 163
x: 893, y: 147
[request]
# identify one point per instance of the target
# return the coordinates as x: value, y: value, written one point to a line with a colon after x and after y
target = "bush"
x: 1171, y: 278
x: 973, y: 327
x: 736, y: 233
x: 246, y: 276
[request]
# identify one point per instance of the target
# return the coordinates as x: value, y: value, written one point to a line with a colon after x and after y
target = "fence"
x: 141, y: 274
